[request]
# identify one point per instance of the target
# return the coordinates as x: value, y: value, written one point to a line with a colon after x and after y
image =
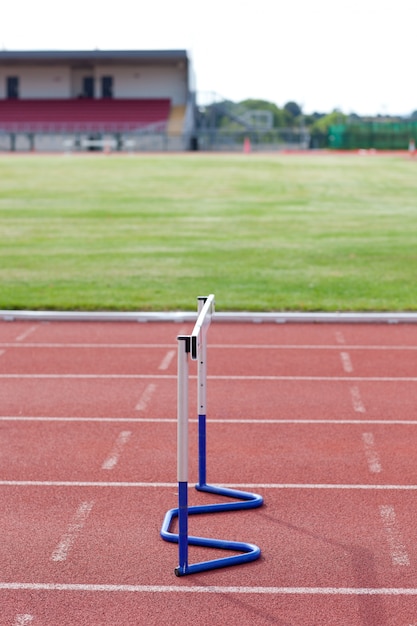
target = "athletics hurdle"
x: 196, y: 346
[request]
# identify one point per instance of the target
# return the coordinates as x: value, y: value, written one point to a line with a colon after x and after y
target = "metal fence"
x: 151, y: 141
x: 262, y: 141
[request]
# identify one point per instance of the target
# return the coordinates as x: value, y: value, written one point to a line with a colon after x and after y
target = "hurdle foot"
x: 178, y: 572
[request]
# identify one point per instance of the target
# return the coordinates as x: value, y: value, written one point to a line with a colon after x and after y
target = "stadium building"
x: 85, y: 100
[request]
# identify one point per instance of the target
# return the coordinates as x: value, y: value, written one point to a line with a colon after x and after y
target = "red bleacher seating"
x: 83, y: 115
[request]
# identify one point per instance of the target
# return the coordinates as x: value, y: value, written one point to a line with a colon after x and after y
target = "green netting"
x: 377, y: 135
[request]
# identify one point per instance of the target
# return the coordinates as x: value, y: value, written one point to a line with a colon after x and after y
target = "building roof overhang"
x: 92, y: 57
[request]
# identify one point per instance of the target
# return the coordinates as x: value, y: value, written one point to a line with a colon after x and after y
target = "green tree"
x: 319, y: 130
x: 282, y: 117
x: 293, y: 109
x: 331, y: 119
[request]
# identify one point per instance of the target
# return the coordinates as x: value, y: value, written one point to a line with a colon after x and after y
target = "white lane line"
x: 166, y: 361
x: 94, y: 376
x: 2, y: 352
x: 146, y: 397
x: 374, y: 379
x: 322, y: 486
x: 284, y: 346
x: 159, y: 485
x: 358, y: 405
x: 340, y: 338
x: 114, y: 456
x: 399, y: 555
x: 293, y: 591
x: 214, y: 346
x: 105, y: 346
x: 104, y: 420
x: 80, y: 483
x: 23, y: 619
x: 76, y: 525
x: 173, y: 420
x: 371, y: 453
x: 27, y: 332
x: 346, y: 362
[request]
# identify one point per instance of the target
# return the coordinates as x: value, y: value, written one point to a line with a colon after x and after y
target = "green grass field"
x: 264, y: 233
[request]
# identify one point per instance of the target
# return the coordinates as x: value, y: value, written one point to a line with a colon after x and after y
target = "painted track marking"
x: 166, y: 361
x: 145, y: 398
x: 105, y: 346
x: 153, y: 485
x: 173, y: 420
x: 398, y: 551
x: 27, y: 332
x: 375, y: 379
x: 340, y: 338
x: 214, y: 346
x: 114, y: 456
x: 310, y: 591
x: 358, y: 405
x: 289, y: 346
x: 23, y: 619
x: 371, y: 453
x: 76, y: 525
x: 346, y: 362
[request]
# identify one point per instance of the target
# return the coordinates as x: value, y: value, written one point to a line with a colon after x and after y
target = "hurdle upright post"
x: 182, y: 453
x: 202, y: 402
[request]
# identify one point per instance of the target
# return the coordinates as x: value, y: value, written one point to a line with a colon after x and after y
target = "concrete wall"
x: 148, y: 82
x: 39, y: 82
x: 128, y: 81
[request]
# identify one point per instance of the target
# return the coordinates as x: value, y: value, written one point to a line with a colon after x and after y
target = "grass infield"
x: 262, y: 232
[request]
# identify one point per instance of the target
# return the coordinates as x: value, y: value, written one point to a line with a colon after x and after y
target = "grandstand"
x: 85, y: 99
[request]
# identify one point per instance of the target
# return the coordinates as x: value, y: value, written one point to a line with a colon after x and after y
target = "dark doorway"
x: 12, y: 87
x: 107, y: 86
x: 88, y: 86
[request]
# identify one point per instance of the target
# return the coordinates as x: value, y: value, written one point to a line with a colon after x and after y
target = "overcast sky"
x: 355, y: 55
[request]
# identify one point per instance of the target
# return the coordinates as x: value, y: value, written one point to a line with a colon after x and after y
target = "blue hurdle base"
x: 250, y: 552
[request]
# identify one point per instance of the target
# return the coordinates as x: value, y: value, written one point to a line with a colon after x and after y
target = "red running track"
x: 319, y: 419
